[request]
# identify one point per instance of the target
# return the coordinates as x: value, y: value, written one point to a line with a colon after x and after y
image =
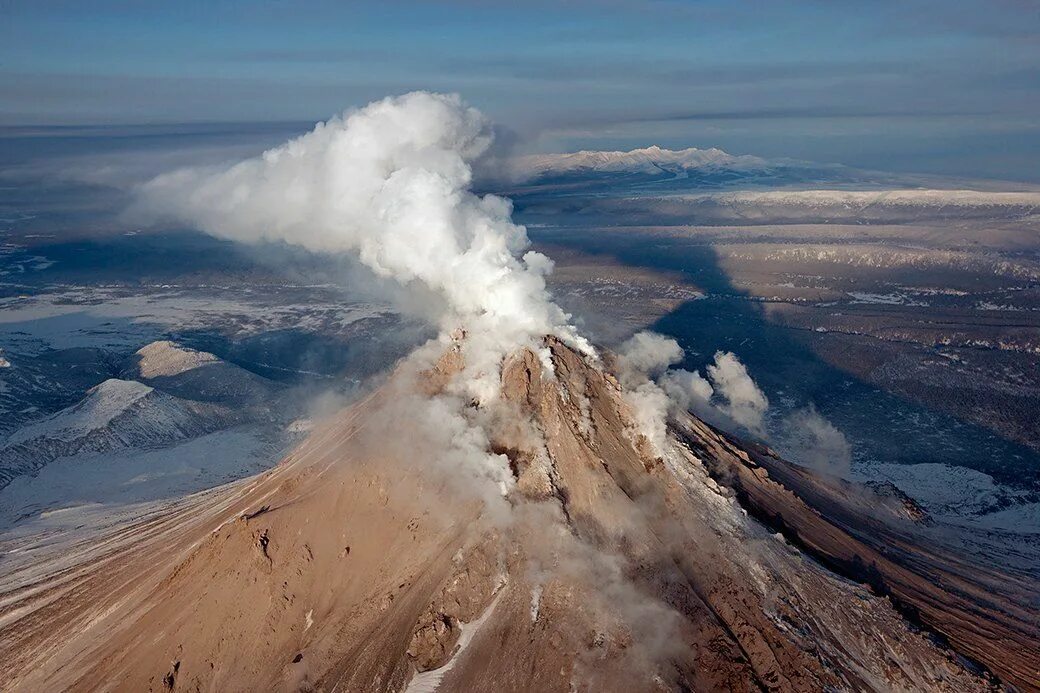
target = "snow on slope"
x: 103, y: 404
x: 199, y: 375
x: 86, y: 487
x: 960, y: 495
x: 684, y: 177
x: 794, y: 201
x: 117, y: 414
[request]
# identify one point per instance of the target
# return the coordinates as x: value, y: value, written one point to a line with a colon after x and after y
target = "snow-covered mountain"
x: 657, y: 168
x: 199, y: 375
x: 754, y: 183
x: 165, y: 359
x: 649, y: 160
x: 165, y: 394
x: 115, y: 415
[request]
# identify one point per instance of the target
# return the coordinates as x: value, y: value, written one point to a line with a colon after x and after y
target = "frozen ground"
x: 118, y: 316
x: 960, y: 495
x: 89, y: 486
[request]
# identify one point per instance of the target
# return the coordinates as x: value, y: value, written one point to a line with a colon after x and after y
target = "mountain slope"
x: 198, y: 375
x: 115, y: 415
x: 363, y: 562
x: 987, y: 611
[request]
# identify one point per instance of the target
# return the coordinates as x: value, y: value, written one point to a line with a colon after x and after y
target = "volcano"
x: 361, y: 563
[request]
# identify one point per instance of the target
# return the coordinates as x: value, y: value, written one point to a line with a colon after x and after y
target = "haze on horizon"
x: 923, y: 86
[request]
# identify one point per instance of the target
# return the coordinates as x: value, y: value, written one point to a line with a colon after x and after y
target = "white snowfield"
x: 110, y: 317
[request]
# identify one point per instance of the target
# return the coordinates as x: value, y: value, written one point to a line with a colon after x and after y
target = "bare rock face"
x: 434, y: 641
x: 359, y: 565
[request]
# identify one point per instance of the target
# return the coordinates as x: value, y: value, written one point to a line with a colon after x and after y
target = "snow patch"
x: 891, y: 299
x: 959, y: 494
x: 430, y: 681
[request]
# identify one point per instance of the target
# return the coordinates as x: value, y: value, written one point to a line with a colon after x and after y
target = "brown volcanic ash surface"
x: 355, y: 565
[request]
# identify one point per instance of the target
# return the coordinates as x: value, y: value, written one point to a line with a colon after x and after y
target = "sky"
x: 919, y: 85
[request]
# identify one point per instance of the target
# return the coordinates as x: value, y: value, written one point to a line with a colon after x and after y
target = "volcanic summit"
x: 360, y: 563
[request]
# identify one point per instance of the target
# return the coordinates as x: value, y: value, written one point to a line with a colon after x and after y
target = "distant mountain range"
x: 654, y: 185
x: 650, y: 160
x: 665, y: 170
x: 165, y: 394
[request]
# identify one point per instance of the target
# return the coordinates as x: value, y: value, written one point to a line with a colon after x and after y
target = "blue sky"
x: 950, y: 87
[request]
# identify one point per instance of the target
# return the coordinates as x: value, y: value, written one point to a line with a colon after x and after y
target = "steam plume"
x: 389, y: 183
x: 648, y: 353
x: 744, y: 402
x: 655, y: 391
x: 814, y: 441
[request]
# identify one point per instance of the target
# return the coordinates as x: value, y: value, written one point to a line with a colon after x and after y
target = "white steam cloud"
x: 728, y: 397
x: 389, y: 183
x: 742, y: 399
x: 653, y: 390
x: 688, y: 390
x: 648, y: 353
x: 644, y: 356
x: 814, y: 441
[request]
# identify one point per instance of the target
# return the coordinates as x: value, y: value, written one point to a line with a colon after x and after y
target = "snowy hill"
x: 677, y: 170
x: 165, y: 359
x: 115, y: 415
x: 650, y: 160
x: 198, y: 375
